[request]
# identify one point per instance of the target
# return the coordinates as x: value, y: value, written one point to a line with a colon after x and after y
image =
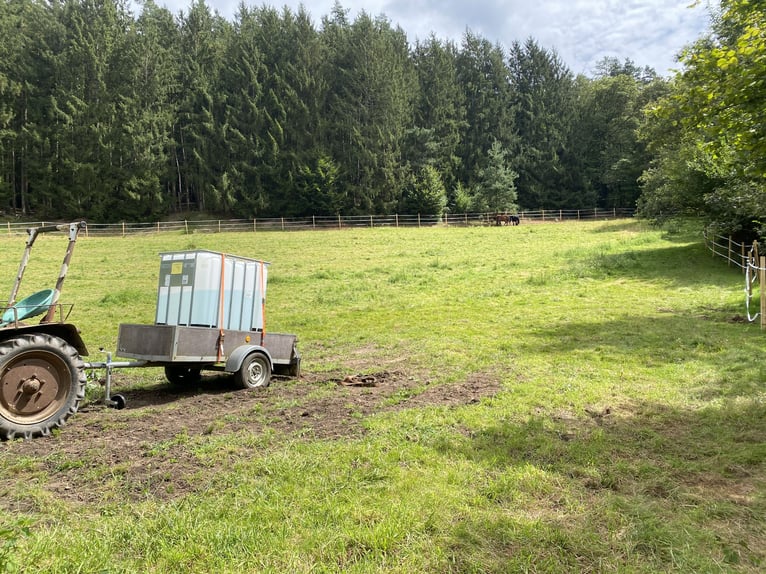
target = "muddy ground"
x: 140, y: 452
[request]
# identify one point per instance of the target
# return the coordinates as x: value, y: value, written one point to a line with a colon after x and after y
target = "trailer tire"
x: 42, y: 383
x: 295, y: 368
x: 180, y: 375
x: 255, y: 371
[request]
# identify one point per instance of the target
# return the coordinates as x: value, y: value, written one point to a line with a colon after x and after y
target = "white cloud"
x: 649, y: 32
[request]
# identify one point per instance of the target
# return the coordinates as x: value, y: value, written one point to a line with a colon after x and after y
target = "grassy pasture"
x: 627, y: 432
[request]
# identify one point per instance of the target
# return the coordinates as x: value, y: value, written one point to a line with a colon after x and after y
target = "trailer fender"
x: 235, y: 360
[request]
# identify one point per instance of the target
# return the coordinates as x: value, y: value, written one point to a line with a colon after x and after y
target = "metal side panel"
x: 168, y: 343
x: 282, y: 347
x: 177, y: 343
x: 198, y: 345
x: 146, y: 342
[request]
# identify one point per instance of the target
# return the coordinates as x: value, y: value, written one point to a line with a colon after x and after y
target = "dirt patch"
x: 143, y: 451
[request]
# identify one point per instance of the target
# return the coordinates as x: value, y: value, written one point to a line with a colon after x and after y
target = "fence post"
x: 282, y: 219
x: 397, y: 221
x: 728, y: 255
x: 762, y: 288
x: 186, y: 227
x: 371, y: 224
x: 340, y: 225
x: 123, y: 229
x: 742, y: 261
x: 255, y: 227
x: 313, y: 221
x: 418, y: 220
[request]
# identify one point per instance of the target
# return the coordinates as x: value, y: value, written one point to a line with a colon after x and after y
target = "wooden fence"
x: 331, y: 222
x: 749, y: 259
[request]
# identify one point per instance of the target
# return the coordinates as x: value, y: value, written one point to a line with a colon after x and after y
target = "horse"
x: 504, y: 219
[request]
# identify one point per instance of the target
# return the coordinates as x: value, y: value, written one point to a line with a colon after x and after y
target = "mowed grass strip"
x: 628, y: 434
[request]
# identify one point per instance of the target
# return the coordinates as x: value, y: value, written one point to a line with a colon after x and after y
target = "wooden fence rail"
x: 749, y: 259
x: 331, y: 222
x: 725, y: 247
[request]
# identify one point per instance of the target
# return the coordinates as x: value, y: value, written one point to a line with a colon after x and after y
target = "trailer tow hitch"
x: 116, y: 401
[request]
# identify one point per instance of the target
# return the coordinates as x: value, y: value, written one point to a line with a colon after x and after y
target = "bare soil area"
x: 141, y: 452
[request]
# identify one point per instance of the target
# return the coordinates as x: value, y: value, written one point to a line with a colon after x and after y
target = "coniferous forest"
x: 115, y: 115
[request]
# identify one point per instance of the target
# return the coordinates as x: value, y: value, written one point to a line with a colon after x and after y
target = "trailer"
x: 210, y: 315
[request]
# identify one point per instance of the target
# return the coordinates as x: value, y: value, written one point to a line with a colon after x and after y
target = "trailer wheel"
x: 255, y: 371
x: 180, y: 375
x: 295, y: 368
x: 42, y: 382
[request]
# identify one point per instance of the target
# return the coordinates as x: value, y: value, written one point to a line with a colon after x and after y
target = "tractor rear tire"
x: 42, y: 383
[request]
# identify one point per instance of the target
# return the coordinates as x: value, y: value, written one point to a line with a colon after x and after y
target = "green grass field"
x: 625, y: 430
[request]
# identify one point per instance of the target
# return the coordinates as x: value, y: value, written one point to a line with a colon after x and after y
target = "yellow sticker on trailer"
x: 176, y: 268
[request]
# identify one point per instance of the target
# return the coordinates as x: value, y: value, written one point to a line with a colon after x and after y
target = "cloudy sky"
x: 649, y: 32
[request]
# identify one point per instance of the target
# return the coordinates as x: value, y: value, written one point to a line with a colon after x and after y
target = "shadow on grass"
x: 162, y: 393
x: 634, y: 225
x: 627, y: 484
x: 675, y: 231
x: 683, y: 265
x: 713, y: 338
x: 640, y: 485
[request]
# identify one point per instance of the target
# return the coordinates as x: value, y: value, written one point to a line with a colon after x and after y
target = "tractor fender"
x: 237, y: 357
x: 65, y: 331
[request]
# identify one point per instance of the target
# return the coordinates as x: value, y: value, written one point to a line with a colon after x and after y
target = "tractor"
x: 42, y: 374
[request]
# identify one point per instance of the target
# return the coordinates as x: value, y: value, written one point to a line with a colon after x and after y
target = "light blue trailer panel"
x: 211, y: 289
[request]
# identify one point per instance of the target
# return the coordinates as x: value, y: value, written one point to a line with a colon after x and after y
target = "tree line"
x: 707, y: 135
x: 112, y: 115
